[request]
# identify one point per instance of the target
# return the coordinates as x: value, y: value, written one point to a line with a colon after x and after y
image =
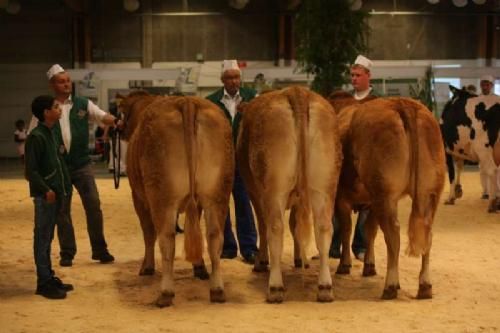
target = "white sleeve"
x: 33, y: 124
x: 95, y: 113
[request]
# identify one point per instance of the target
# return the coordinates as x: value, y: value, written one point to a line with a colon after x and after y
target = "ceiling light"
x: 13, y: 7
x: 460, y: 3
x: 433, y: 2
x: 131, y: 5
x: 356, y: 4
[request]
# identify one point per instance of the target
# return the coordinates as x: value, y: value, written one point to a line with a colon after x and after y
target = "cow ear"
x: 454, y: 90
x: 119, y: 96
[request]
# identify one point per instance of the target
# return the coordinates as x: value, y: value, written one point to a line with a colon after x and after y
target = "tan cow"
x: 289, y: 155
x: 392, y: 148
x: 180, y: 158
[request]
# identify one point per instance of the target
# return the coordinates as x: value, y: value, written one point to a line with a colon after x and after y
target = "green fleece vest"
x: 246, y: 96
x: 78, y: 154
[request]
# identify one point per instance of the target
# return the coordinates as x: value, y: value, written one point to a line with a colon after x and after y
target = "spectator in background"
x: 20, y: 135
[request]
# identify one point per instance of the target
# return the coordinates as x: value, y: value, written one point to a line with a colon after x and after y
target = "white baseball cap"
x: 230, y: 64
x: 363, y: 61
x: 488, y: 78
x: 55, y: 69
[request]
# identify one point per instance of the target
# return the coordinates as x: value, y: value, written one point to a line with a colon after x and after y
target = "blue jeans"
x: 84, y: 182
x: 43, y: 233
x: 245, y: 225
x: 358, y: 241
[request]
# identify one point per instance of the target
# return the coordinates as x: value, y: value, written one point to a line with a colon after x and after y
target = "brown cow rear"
x: 392, y: 148
x: 289, y: 156
x: 180, y: 158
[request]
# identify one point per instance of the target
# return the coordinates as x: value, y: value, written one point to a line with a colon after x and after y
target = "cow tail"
x: 193, y: 241
x: 418, y: 226
x: 299, y: 101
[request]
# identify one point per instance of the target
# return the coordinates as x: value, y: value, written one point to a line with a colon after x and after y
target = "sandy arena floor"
x: 465, y: 265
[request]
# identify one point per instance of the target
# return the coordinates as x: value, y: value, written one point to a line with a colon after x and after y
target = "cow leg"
x: 371, y: 228
x: 262, y: 260
x: 424, y: 281
x: 455, y: 186
x: 322, y: 207
x: 458, y: 185
x: 215, y: 216
x: 164, y: 220
x: 492, y: 192
x: 274, y: 216
x: 149, y: 234
x: 343, y: 213
x: 386, y: 215
x: 297, y: 260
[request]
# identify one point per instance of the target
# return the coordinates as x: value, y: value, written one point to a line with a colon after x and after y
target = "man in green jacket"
x: 228, y: 98
x: 50, y: 188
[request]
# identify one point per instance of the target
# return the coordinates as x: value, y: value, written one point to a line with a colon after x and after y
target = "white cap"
x: 55, y: 69
x: 363, y: 61
x: 230, y: 64
x: 488, y: 78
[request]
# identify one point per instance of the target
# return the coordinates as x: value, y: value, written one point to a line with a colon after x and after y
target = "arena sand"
x: 465, y: 266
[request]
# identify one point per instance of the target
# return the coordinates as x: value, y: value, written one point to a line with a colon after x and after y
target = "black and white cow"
x: 470, y: 126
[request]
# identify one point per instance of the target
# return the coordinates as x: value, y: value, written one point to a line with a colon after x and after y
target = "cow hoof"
x: 458, y: 191
x: 449, y: 202
x: 325, y: 294
x: 275, y: 295
x: 369, y: 270
x: 217, y: 295
x: 147, y: 271
x: 424, y: 291
x: 343, y: 269
x: 492, y: 208
x: 390, y: 293
x: 200, y: 272
x: 298, y: 263
x: 165, y: 299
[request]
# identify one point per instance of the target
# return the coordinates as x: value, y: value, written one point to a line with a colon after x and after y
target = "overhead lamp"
x: 13, y: 7
x: 356, y: 4
x: 131, y: 5
x: 238, y: 4
x: 433, y: 2
x: 460, y: 3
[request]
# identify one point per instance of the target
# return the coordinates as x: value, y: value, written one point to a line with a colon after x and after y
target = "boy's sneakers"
x: 50, y: 290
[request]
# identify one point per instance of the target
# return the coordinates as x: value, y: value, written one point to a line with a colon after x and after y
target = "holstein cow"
x: 289, y: 155
x: 180, y: 158
x: 392, y: 148
x: 470, y: 127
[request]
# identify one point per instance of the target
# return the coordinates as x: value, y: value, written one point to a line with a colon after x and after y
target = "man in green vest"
x: 72, y: 136
x: 227, y: 99
x: 362, y: 90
